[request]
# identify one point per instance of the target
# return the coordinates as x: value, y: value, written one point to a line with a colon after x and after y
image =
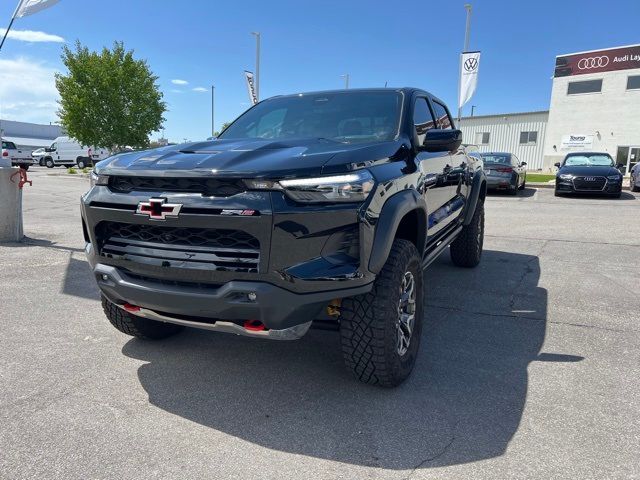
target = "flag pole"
x: 13, y: 17
x: 467, y: 31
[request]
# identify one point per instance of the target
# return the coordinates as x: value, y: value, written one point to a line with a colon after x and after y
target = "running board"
x: 440, y: 246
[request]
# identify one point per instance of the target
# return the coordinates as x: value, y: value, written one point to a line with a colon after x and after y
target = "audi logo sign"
x: 593, y: 62
x: 622, y: 58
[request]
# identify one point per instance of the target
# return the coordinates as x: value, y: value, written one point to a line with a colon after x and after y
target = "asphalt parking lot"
x: 529, y: 366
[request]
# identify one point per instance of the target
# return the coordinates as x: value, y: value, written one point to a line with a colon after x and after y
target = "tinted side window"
x: 422, y: 118
x: 442, y: 116
x: 9, y: 145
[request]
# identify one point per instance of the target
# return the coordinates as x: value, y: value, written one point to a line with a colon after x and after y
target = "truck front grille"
x: 594, y: 184
x: 206, y: 186
x: 179, y: 247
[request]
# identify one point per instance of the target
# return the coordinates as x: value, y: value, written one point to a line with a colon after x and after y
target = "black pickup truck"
x: 315, y: 209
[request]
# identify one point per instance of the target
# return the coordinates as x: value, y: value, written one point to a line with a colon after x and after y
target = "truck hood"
x: 253, y: 158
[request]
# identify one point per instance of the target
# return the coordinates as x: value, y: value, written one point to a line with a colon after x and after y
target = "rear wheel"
x: 380, y: 330
x: 82, y: 162
x: 466, y: 250
x: 137, y: 326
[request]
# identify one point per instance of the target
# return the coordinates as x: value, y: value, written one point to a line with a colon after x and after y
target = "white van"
x: 66, y: 151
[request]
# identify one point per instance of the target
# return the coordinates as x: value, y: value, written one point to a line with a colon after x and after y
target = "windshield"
x: 586, y: 160
x: 496, y: 159
x: 347, y: 117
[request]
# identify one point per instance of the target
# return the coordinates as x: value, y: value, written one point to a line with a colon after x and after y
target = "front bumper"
x: 275, y: 307
x: 568, y: 186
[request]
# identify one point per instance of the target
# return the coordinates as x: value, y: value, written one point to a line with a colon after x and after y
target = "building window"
x: 633, y: 82
x: 528, y: 138
x: 482, y: 138
x: 586, y: 86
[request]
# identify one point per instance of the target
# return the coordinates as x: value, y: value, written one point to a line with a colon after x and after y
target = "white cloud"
x: 177, y: 81
x: 31, y: 36
x: 200, y: 89
x: 27, y: 91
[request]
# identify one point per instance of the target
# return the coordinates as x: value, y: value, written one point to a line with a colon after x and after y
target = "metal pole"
x: 467, y: 35
x: 467, y: 31
x: 346, y: 80
x: 473, y: 107
x: 13, y: 17
x: 257, y: 35
x: 213, y: 125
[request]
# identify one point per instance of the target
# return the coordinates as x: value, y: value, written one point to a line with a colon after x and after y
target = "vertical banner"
x: 251, y: 87
x: 469, y: 66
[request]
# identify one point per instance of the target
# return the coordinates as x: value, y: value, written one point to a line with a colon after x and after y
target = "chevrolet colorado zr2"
x: 310, y: 209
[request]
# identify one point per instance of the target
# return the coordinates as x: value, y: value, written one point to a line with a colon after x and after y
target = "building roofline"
x: 598, y: 50
x: 506, y: 114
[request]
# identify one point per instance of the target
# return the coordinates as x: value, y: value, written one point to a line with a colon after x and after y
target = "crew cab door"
x: 434, y: 168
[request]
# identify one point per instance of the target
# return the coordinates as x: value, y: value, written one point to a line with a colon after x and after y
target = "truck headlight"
x: 351, y: 187
x: 96, y: 179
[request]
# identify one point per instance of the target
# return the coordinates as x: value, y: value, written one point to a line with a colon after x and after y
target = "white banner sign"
x: 469, y: 66
x: 29, y: 7
x: 251, y: 87
x: 576, y: 142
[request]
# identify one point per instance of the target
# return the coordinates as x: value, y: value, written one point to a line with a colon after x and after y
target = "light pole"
x: 213, y: 125
x: 346, y: 80
x: 473, y: 107
x: 467, y: 34
x: 257, y: 35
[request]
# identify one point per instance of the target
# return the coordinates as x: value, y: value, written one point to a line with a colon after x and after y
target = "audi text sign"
x: 623, y: 58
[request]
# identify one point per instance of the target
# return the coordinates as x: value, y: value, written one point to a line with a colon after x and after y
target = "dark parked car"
x: 591, y: 173
x: 321, y: 206
x: 504, y: 172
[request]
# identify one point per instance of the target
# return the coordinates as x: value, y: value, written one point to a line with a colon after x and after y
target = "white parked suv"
x: 68, y: 152
x: 18, y: 157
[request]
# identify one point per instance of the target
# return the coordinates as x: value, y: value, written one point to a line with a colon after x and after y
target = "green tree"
x: 224, y: 125
x: 108, y: 99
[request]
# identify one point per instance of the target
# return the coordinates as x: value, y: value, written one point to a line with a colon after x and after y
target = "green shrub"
x: 72, y: 171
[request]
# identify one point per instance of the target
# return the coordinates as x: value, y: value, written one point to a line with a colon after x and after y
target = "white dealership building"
x: 595, y: 105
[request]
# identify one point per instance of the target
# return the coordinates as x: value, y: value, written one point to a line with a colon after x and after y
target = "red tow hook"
x: 131, y: 308
x: 254, y: 326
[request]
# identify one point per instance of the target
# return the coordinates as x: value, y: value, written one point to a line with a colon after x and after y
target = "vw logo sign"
x: 593, y: 62
x: 470, y: 64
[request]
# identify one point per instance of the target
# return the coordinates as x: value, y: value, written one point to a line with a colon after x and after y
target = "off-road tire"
x: 369, y: 322
x: 466, y: 250
x: 138, y: 326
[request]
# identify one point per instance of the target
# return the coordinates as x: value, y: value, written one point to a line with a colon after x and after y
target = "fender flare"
x: 393, y: 210
x: 479, y: 179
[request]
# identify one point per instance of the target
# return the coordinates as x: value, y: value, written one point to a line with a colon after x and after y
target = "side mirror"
x: 47, y: 149
x: 557, y: 164
x: 523, y: 164
x: 441, y: 140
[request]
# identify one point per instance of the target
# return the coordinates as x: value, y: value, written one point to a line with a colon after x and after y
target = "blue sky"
x: 307, y: 46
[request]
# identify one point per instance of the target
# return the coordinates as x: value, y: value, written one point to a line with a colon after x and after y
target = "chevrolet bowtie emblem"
x: 158, y: 209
